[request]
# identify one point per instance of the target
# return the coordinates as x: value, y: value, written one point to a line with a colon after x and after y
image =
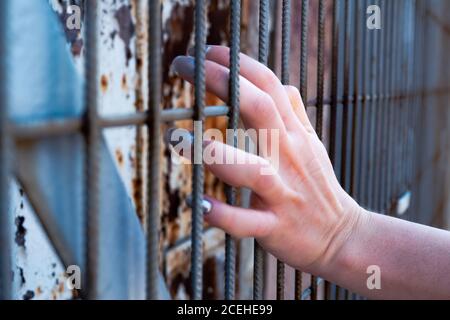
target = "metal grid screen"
x: 372, y: 90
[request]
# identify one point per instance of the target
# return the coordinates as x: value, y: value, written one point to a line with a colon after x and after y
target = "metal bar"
x: 347, y: 105
x: 285, y: 52
x: 320, y: 98
x: 233, y: 122
x: 304, y: 93
x: 335, y: 126
x: 258, y: 259
x: 386, y: 109
x: 92, y: 135
x: 198, y: 169
x: 5, y: 150
x: 382, y: 70
x: 364, y: 172
x: 154, y: 136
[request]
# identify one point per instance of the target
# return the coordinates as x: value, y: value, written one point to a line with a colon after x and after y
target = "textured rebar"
x: 258, y: 259
x: 5, y: 153
x: 233, y: 122
x: 198, y: 169
x: 153, y: 169
x: 285, y: 53
x: 92, y: 152
x: 298, y: 290
x: 320, y: 93
x: 320, y: 68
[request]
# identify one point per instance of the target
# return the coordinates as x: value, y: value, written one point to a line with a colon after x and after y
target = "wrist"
x: 344, y: 237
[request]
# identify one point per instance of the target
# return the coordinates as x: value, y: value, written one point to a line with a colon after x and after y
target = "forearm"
x: 414, y: 260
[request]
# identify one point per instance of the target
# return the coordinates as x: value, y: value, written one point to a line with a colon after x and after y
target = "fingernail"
x: 183, y: 66
x: 191, y: 51
x: 206, y: 205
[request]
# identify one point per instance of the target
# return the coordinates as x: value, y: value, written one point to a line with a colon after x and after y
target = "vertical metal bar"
x: 5, y: 150
x: 347, y: 104
x: 93, y: 149
x: 153, y: 170
x: 364, y: 173
x: 356, y: 121
x: 304, y: 93
x: 386, y: 108
x: 379, y: 89
x: 258, y: 258
x: 320, y: 98
x: 392, y: 112
x: 320, y: 68
x: 230, y: 246
x: 334, y: 130
x: 198, y: 170
x: 285, y: 53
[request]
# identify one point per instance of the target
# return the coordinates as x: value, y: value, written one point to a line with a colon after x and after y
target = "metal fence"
x: 380, y: 105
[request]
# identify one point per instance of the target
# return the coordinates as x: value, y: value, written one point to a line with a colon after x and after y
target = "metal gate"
x: 379, y: 99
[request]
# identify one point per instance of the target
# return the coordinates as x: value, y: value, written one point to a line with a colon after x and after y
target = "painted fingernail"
x: 191, y: 51
x: 206, y: 205
x: 183, y: 66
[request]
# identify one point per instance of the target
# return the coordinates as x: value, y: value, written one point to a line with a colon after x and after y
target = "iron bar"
x: 233, y: 122
x: 154, y: 136
x: 304, y: 93
x: 285, y: 52
x: 320, y: 98
x: 198, y: 169
x: 92, y: 153
x: 263, y: 47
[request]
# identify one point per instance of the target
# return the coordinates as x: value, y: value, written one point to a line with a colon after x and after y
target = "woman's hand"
x: 299, y: 213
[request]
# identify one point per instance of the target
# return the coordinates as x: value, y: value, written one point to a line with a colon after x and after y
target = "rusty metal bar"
x: 258, y: 259
x: 304, y: 93
x: 92, y: 135
x: 285, y: 52
x: 198, y: 169
x: 154, y: 136
x: 233, y: 122
x: 5, y: 150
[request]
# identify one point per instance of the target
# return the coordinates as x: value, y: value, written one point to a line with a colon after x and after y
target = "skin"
x: 300, y: 213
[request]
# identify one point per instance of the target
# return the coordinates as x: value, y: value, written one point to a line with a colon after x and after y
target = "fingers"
x: 258, y: 110
x: 240, y: 222
x: 299, y: 107
x: 261, y: 76
x: 241, y: 169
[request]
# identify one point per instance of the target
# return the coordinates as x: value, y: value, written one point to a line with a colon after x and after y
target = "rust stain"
x: 104, y: 83
x: 124, y: 82
x: 38, y: 291
x: 119, y: 157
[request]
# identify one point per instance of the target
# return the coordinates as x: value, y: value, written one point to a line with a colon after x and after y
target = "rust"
x: 21, y: 231
x: 124, y: 83
x: 38, y: 291
x: 119, y: 157
x: 104, y: 83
